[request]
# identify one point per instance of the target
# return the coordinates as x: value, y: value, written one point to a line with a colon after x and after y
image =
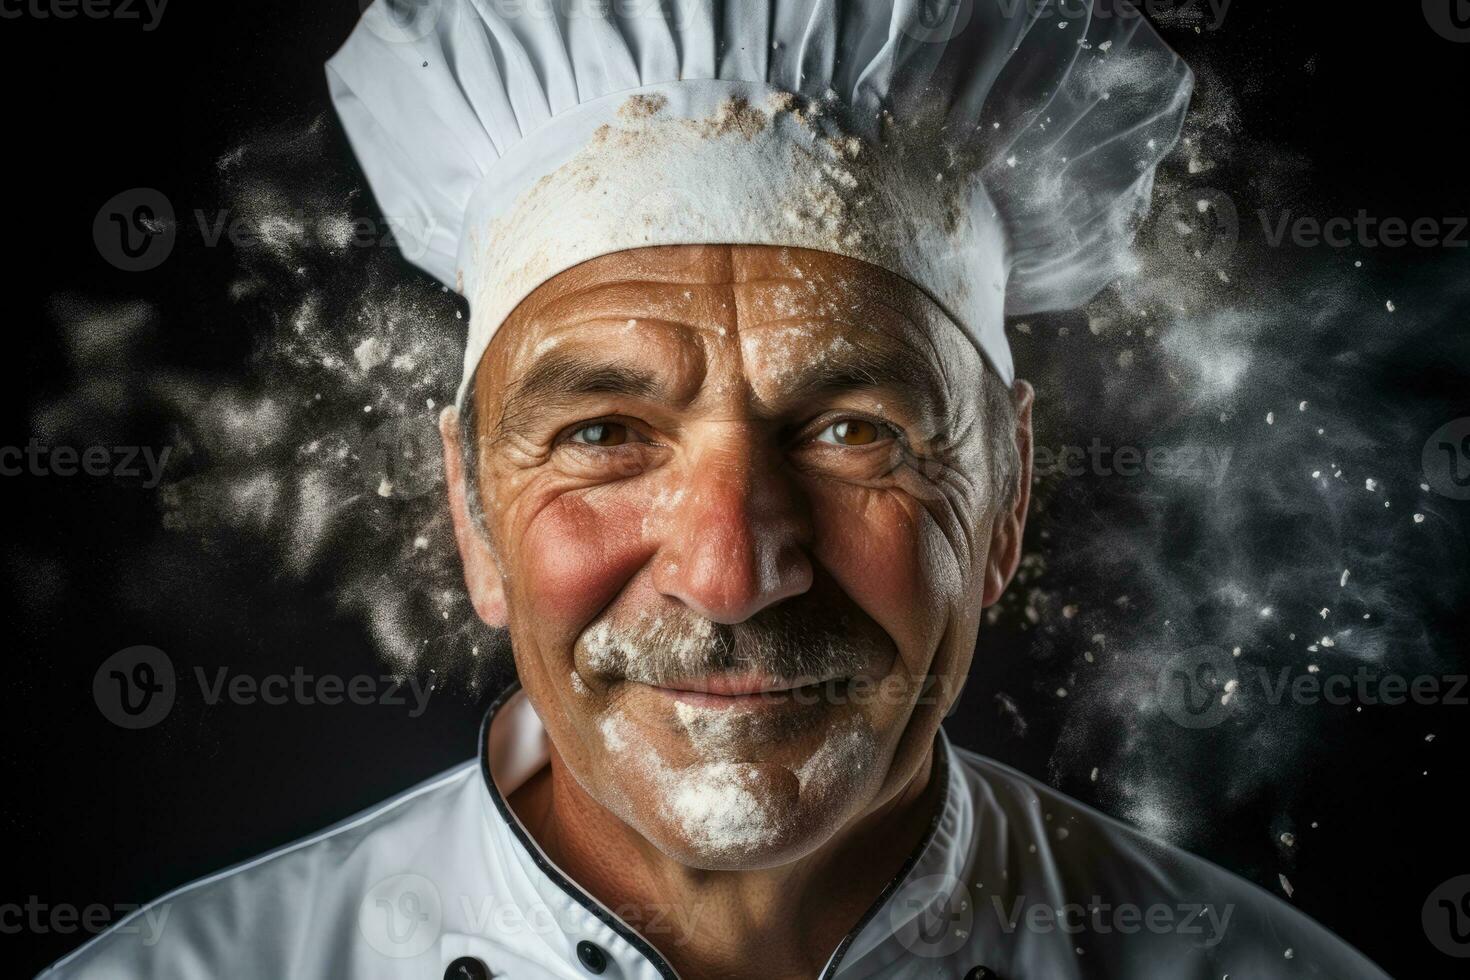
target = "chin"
x: 721, y: 830
x: 741, y: 816
x: 724, y: 796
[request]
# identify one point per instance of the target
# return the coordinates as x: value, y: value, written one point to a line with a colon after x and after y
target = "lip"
x: 734, y: 685
x: 735, y: 690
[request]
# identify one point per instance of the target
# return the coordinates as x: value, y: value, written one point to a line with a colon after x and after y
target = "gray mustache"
x: 793, y: 644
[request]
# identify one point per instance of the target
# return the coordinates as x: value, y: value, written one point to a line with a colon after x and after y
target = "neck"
x: 783, y: 921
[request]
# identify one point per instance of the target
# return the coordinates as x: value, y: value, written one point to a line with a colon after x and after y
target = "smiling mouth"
x: 743, y: 690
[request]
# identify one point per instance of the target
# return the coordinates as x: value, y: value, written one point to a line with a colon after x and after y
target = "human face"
x: 739, y: 521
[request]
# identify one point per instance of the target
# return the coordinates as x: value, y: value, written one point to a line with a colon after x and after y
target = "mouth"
x: 745, y: 690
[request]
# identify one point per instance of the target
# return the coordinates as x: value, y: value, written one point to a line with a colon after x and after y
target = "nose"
x: 735, y: 540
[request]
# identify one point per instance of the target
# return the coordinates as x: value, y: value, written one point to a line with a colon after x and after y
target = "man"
x: 739, y: 459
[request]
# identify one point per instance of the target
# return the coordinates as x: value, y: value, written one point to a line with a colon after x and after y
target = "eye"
x: 602, y: 434
x: 854, y: 432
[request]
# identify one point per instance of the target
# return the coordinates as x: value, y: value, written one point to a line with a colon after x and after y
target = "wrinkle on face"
x: 724, y: 367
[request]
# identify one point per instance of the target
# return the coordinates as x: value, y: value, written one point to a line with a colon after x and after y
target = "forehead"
x: 715, y: 265
x: 767, y: 309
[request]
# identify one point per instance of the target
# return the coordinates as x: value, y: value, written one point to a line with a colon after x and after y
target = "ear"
x: 481, y: 573
x: 1005, y: 534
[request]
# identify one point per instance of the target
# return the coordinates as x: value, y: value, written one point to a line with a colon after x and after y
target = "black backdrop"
x: 94, y: 814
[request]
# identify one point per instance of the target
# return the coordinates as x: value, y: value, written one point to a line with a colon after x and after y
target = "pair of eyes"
x: 847, y: 431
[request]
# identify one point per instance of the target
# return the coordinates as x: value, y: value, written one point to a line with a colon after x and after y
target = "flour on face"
x: 723, y: 807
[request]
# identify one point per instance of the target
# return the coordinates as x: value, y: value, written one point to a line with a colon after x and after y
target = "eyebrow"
x: 861, y: 364
x: 563, y: 375
x: 867, y: 363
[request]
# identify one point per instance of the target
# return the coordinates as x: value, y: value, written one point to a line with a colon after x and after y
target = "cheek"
x: 577, y: 553
x: 889, y: 555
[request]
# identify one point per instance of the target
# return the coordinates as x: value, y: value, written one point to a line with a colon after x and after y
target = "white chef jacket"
x: 1012, y: 881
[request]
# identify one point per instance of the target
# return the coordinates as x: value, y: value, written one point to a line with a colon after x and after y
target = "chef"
x: 739, y: 458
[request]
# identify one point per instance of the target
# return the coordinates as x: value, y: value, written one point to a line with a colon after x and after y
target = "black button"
x: 982, y: 973
x: 467, y: 968
x: 592, y: 956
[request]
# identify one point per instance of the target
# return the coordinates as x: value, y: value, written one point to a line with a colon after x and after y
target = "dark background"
x: 94, y: 814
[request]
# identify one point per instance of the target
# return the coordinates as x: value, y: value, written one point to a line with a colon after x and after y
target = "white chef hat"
x: 996, y: 153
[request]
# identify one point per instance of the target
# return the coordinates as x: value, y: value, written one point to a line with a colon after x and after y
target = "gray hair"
x: 998, y: 414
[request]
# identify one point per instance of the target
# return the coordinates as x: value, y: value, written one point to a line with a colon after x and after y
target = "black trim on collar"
x: 621, y: 928
x: 894, y: 883
x: 546, y: 867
